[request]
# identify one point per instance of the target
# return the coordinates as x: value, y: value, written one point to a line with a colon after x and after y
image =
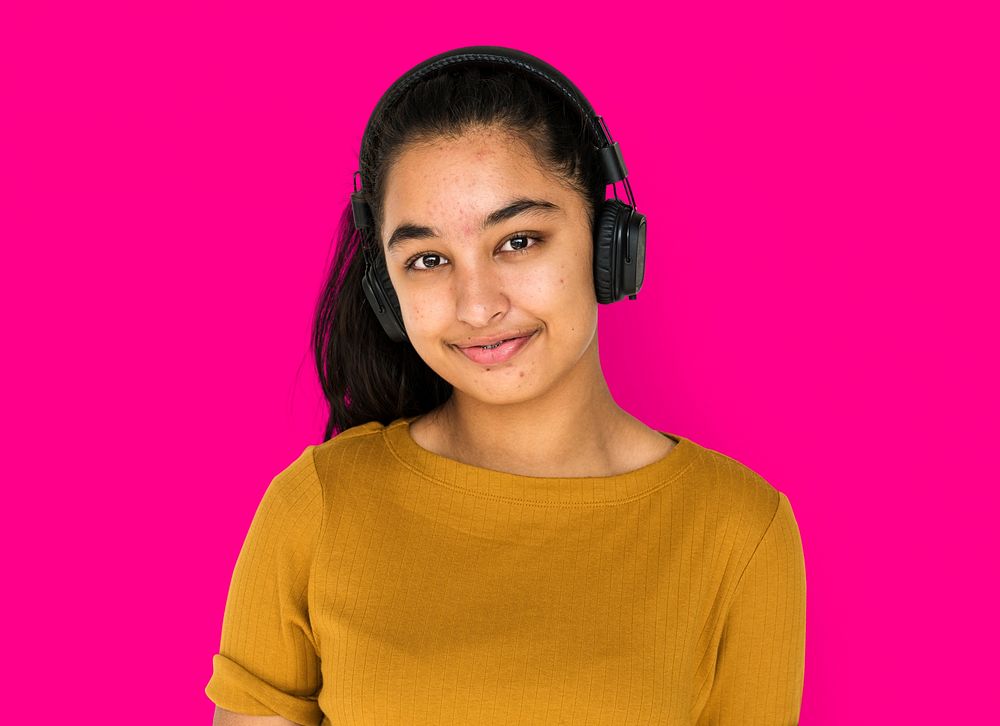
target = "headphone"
x: 620, y: 231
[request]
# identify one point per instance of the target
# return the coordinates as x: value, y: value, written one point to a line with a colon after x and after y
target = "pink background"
x: 820, y: 301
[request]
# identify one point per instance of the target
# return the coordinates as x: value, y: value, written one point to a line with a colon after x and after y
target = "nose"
x: 479, y: 294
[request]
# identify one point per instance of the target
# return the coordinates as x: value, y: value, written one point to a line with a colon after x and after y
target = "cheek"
x: 569, y: 278
x: 426, y: 315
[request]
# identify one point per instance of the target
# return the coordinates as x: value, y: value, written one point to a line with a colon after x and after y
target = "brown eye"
x: 436, y: 261
x: 521, y: 241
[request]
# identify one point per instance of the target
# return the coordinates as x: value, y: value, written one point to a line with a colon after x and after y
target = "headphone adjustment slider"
x: 362, y: 212
x: 613, y: 163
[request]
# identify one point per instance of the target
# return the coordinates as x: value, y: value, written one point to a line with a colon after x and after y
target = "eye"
x: 411, y: 263
x: 523, y: 236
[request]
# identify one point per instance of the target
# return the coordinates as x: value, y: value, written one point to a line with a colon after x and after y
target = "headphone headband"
x: 610, y: 154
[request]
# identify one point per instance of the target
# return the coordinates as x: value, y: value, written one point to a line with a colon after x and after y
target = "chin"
x: 501, y: 390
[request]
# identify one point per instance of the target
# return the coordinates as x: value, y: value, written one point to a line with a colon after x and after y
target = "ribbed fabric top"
x: 381, y: 583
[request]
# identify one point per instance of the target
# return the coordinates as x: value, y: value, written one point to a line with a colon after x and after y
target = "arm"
x: 761, y: 658
x: 268, y: 663
x: 228, y: 718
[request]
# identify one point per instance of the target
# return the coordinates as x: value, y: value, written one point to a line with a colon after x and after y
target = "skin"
x: 222, y: 717
x: 536, y: 414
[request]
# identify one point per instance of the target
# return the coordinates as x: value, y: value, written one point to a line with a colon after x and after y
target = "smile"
x: 499, y: 352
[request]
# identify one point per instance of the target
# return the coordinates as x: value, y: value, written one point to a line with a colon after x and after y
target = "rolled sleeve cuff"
x: 236, y: 689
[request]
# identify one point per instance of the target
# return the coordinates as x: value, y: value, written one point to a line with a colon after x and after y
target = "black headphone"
x: 620, y: 231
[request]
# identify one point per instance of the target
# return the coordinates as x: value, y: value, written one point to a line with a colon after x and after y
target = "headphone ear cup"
x: 611, y: 220
x: 382, y: 298
x: 635, y: 251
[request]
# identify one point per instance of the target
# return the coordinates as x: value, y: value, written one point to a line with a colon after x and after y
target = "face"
x: 467, y: 264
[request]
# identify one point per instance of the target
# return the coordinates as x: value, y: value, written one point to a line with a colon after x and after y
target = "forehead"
x: 455, y: 180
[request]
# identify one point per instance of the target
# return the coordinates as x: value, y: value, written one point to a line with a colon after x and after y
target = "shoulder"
x: 355, y: 462
x: 743, y: 500
x: 741, y: 514
x: 289, y: 512
x: 349, y: 449
x: 293, y: 512
x: 308, y: 474
x: 297, y: 497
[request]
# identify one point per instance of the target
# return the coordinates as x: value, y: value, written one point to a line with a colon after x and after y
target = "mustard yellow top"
x: 381, y: 583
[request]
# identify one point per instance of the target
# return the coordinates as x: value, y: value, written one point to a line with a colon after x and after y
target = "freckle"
x: 522, y: 374
x: 560, y: 281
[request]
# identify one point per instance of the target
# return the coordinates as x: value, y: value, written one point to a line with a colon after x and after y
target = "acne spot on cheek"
x: 521, y: 374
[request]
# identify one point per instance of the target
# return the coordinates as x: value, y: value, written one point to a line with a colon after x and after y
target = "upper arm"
x: 268, y: 662
x: 229, y: 718
x: 761, y: 658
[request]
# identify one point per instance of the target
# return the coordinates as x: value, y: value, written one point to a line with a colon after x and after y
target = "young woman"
x: 485, y: 536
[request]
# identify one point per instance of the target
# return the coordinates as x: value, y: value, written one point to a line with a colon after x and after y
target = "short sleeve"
x: 268, y: 661
x: 761, y: 660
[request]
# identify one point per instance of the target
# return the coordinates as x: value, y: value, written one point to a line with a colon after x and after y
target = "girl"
x: 485, y: 536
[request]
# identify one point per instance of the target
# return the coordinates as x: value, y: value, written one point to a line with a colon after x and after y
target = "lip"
x: 506, y: 335
x: 501, y: 354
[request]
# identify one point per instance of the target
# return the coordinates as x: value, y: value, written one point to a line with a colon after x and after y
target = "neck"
x: 576, y: 426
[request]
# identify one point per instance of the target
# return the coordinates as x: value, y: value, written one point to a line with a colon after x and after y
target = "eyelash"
x: 408, y: 265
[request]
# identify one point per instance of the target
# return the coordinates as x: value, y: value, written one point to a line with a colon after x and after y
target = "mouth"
x: 499, y: 352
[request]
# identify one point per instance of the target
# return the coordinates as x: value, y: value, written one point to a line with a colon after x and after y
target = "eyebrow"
x: 408, y: 231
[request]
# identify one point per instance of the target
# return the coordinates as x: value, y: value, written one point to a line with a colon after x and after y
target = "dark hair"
x: 364, y: 375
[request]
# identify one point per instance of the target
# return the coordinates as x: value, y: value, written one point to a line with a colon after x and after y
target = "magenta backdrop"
x: 821, y: 187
